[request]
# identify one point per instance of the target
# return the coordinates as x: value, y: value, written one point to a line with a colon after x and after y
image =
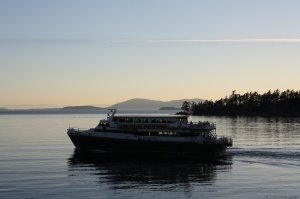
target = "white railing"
x: 75, y: 129
x: 202, y: 125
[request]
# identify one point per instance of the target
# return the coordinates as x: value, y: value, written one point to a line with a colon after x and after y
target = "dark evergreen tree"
x: 276, y: 103
x: 186, y: 105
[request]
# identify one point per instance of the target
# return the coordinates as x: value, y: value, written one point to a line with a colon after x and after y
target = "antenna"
x: 112, y: 112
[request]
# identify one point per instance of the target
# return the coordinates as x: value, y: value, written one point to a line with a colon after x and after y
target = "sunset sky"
x: 73, y: 52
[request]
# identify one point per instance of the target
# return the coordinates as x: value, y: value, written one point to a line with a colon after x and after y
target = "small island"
x: 269, y: 104
x: 81, y: 108
x: 64, y: 110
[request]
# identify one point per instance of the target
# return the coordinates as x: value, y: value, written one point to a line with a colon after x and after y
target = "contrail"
x: 105, y: 41
x: 201, y: 41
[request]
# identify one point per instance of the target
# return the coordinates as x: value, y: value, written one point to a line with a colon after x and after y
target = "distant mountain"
x: 178, y: 103
x: 146, y: 104
x: 169, y: 108
x: 67, y: 109
x: 132, y: 104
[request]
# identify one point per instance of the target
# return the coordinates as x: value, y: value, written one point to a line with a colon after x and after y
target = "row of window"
x: 166, y: 133
x: 131, y: 120
x: 128, y: 126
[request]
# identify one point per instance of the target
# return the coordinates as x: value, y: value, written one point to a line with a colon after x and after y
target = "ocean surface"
x: 37, y: 160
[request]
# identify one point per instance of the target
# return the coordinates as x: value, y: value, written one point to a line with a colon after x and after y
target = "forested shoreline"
x: 271, y: 103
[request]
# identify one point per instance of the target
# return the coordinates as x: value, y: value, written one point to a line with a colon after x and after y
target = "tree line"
x: 276, y: 103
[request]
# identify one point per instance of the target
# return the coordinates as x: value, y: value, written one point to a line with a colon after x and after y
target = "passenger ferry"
x: 158, y: 134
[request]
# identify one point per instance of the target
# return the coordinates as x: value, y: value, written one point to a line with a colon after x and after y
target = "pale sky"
x: 68, y: 52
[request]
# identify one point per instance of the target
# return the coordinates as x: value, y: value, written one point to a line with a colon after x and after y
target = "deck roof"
x: 151, y: 116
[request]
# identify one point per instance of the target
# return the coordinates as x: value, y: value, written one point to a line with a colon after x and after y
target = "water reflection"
x: 254, y: 132
x: 124, y: 172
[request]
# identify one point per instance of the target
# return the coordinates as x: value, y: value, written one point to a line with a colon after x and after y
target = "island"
x: 269, y: 104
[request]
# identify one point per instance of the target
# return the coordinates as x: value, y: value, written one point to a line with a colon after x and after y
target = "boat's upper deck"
x: 154, y: 121
x: 149, y: 118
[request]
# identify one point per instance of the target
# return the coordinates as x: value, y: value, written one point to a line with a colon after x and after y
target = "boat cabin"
x: 146, y: 122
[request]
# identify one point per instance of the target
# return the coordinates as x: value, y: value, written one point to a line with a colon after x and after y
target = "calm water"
x: 37, y: 160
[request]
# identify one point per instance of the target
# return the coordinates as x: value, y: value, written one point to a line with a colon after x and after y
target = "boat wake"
x: 269, y: 156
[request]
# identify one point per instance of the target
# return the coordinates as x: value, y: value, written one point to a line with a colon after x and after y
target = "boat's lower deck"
x: 89, y: 140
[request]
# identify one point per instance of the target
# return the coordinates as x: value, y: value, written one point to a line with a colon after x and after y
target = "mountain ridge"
x: 131, y: 104
x: 148, y: 104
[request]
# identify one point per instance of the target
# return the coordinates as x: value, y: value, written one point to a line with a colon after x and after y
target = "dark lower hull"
x: 120, y: 146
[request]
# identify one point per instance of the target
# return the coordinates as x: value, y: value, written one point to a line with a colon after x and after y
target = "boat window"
x: 138, y: 121
x: 145, y: 121
x: 182, y: 120
x: 121, y: 120
x: 153, y: 121
x: 170, y: 121
x: 129, y: 120
x: 159, y: 121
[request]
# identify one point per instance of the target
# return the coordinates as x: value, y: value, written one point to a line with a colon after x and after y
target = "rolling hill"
x: 132, y: 104
x: 146, y: 104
